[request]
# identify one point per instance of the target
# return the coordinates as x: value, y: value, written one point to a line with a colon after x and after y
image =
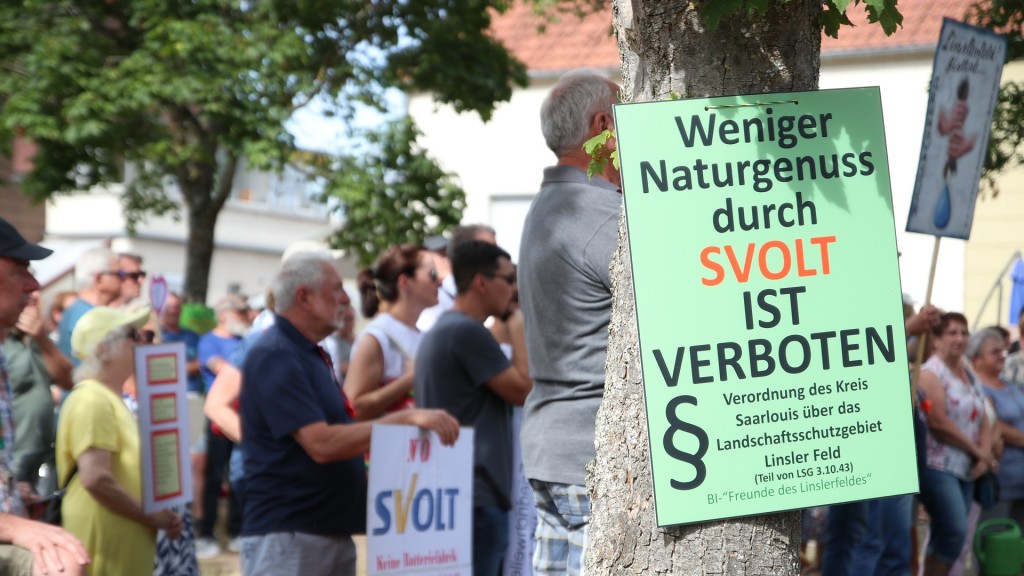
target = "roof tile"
x: 570, y: 41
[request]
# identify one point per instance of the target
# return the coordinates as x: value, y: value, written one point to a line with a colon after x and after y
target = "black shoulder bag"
x: 52, y: 514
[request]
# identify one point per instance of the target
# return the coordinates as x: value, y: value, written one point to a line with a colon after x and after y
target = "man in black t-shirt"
x: 462, y: 369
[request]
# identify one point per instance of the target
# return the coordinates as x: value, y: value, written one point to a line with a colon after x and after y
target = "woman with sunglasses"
x: 380, y: 374
x: 98, y: 456
x: 959, y: 442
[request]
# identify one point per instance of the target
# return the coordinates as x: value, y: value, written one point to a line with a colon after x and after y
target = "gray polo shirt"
x: 570, y: 235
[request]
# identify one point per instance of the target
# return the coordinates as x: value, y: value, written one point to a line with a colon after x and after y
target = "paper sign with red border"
x: 161, y: 369
x: 164, y: 408
x: 170, y: 484
x: 163, y: 416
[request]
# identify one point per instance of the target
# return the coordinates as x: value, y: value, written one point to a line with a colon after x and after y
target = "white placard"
x: 523, y: 515
x: 419, y: 517
x: 161, y: 388
x: 963, y: 91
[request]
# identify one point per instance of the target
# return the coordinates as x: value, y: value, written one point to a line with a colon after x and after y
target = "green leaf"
x: 884, y: 12
x: 715, y: 10
x: 599, y: 154
x: 832, y: 18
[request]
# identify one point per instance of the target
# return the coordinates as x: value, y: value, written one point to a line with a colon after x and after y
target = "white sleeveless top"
x: 397, y: 341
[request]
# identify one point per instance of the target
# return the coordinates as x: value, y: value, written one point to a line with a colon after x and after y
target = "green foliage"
x: 1004, y: 147
x: 599, y: 154
x: 881, y: 12
x: 455, y: 57
x: 1004, y: 16
x: 393, y: 194
x: 884, y: 12
x: 553, y: 10
x: 716, y: 10
x: 833, y: 13
x: 179, y: 91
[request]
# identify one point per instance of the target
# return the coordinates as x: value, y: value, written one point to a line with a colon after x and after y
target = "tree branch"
x: 225, y: 181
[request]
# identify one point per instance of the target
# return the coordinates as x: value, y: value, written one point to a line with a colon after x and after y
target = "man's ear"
x: 302, y: 295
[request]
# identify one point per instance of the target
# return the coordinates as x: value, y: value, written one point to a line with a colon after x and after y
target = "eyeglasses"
x: 134, y: 276
x: 411, y: 272
x: 510, y: 278
x: 140, y: 336
x: 998, y: 352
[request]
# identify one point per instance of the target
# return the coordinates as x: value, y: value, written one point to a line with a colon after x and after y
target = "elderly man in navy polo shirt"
x: 305, y: 491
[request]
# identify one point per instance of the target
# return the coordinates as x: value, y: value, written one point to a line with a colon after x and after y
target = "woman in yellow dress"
x: 98, y: 434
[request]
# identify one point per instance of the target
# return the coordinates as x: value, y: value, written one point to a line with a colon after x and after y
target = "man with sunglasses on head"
x: 98, y: 279
x: 26, y: 547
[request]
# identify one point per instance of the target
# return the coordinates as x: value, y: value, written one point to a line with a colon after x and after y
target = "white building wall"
x: 499, y: 164
x: 249, y: 239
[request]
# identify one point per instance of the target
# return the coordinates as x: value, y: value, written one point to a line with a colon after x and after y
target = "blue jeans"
x: 490, y: 539
x: 947, y: 500
x: 845, y: 528
x: 885, y: 548
x: 563, y: 512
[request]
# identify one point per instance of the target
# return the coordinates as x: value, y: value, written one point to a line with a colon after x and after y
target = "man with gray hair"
x: 305, y: 485
x: 569, y: 237
x: 98, y: 280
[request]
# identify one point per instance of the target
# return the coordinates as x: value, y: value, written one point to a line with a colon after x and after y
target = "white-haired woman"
x: 98, y: 449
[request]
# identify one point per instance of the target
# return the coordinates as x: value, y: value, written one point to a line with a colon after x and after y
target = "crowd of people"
x: 291, y: 393
x: 969, y: 427
x: 455, y: 334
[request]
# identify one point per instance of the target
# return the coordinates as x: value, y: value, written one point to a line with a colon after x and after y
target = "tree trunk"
x: 666, y: 52
x: 199, y: 253
x: 204, y: 198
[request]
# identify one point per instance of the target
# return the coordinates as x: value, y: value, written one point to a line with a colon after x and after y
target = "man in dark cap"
x: 23, y: 542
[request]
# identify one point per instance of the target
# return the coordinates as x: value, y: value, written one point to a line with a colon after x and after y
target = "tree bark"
x: 667, y: 52
x: 204, y: 198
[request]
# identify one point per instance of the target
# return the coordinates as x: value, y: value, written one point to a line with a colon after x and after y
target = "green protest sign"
x: 768, y: 302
